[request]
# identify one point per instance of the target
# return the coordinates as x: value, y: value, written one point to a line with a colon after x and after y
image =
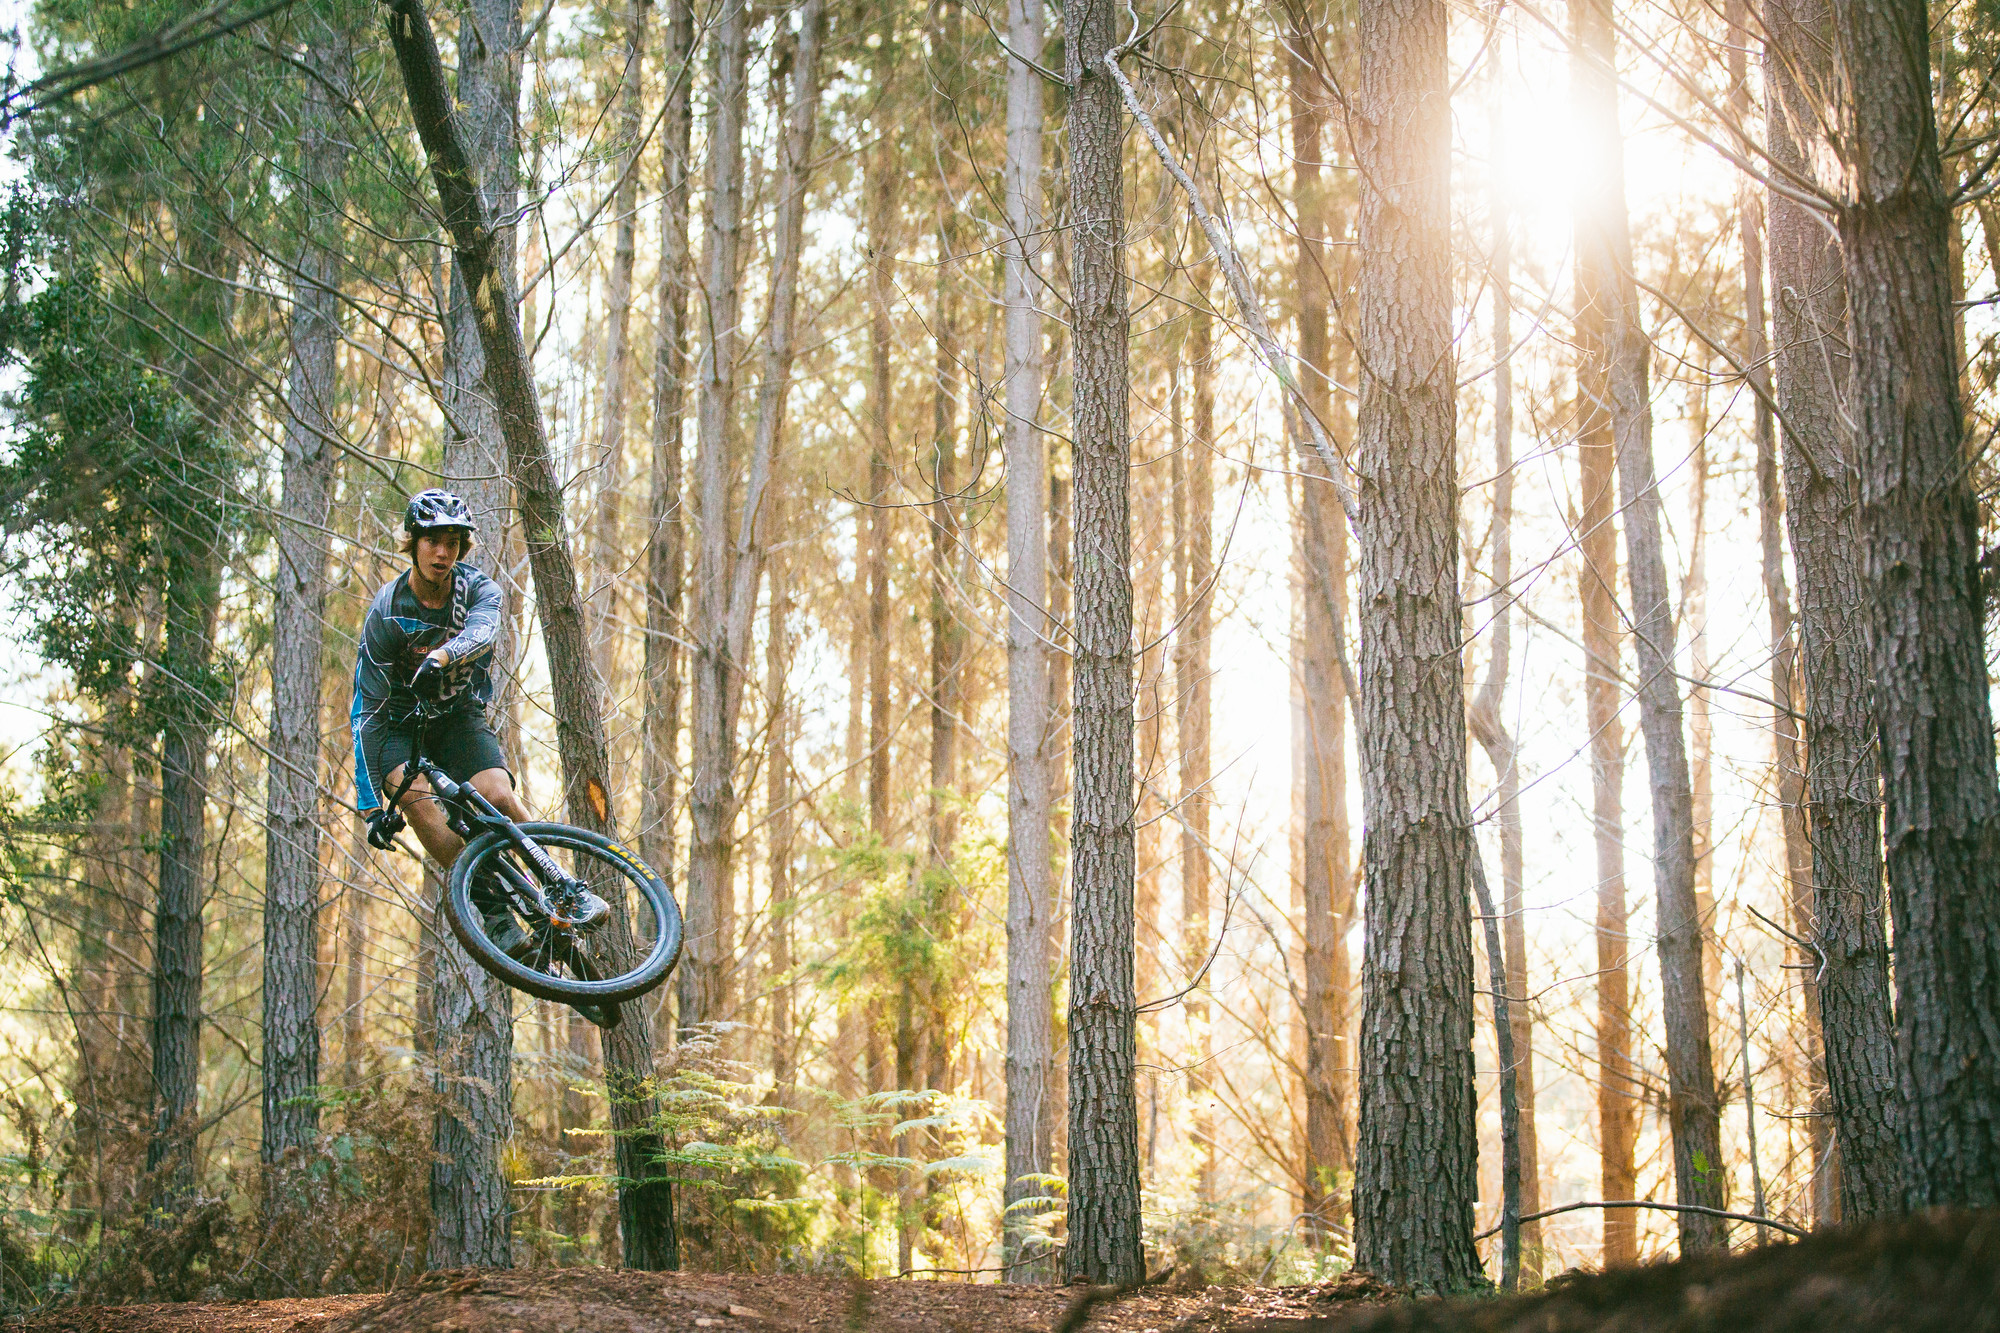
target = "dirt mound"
x: 584, y: 1300
x: 287, y: 1316
x: 1938, y: 1273
x: 595, y: 1300
x: 1934, y: 1274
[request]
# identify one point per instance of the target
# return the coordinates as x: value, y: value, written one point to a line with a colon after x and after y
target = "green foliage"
x: 1223, y: 1245
x: 738, y: 1186
x: 119, y: 495
x: 350, y: 1214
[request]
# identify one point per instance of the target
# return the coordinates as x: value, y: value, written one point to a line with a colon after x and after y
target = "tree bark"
x: 1919, y: 520
x: 292, y: 833
x: 473, y: 1059
x: 1325, y: 878
x: 667, y: 541
x: 1814, y: 370
x: 780, y: 831
x: 732, y: 564
x: 1604, y: 263
x: 948, y: 648
x: 473, y: 1017
x: 1486, y: 717
x: 488, y: 92
x: 1792, y: 799
x: 645, y: 1208
x: 1030, y: 1057
x: 705, y: 963
x: 193, y: 598
x: 1416, y: 1161
x: 1104, y: 1233
x: 606, y: 549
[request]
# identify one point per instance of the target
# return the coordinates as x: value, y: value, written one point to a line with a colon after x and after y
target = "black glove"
x: 428, y: 683
x: 383, y: 826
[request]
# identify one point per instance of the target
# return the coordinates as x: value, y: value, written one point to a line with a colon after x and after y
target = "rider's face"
x: 436, y: 553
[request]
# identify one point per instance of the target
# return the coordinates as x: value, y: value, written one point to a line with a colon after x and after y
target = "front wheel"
x: 619, y: 959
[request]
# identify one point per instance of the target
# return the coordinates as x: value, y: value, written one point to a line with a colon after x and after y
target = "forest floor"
x: 1938, y: 1273
x: 595, y: 1300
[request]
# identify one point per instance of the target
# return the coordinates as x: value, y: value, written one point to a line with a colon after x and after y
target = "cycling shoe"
x: 501, y: 928
x: 603, y: 1015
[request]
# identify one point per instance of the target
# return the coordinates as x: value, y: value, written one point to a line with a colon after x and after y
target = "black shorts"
x: 459, y: 746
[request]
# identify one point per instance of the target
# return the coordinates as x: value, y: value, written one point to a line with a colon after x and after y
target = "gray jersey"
x: 398, y: 633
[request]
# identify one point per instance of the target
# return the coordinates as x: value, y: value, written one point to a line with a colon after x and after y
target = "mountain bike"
x: 597, y: 928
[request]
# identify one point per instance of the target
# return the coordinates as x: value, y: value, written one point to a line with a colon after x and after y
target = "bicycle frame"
x: 468, y: 814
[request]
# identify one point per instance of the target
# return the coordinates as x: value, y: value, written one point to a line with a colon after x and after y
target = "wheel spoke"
x: 580, y: 945
x: 567, y: 958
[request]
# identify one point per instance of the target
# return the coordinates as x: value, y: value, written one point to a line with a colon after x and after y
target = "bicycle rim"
x: 629, y: 953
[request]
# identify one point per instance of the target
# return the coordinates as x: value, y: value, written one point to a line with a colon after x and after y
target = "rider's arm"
x: 482, y: 622
x: 372, y: 680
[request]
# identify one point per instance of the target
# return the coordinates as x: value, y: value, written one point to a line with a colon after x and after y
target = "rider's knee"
x: 497, y: 786
x: 417, y: 791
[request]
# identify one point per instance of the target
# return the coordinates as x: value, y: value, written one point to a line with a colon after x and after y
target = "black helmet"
x: 433, y: 509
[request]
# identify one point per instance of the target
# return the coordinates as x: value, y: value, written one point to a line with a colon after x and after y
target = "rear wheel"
x: 604, y: 964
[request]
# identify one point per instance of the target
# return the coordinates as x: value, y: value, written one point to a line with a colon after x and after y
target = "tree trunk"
x: 1322, y: 541
x: 1159, y: 519
x: 1416, y: 1165
x: 1104, y: 1237
x: 666, y: 541
x: 292, y: 834
x: 606, y: 549
x: 1618, y: 1088
x: 1792, y: 798
x: 1701, y: 725
x: 1487, y: 714
x: 881, y: 180
x: 948, y: 636
x: 780, y: 831
x: 1030, y: 1058
x: 948, y: 648
x: 705, y: 964
x: 193, y: 597
x: 1919, y: 520
x: 488, y: 94
x: 109, y: 1084
x: 573, y: 1207
x: 1809, y: 282
x: 467, y: 1136
x: 645, y: 1207
x: 354, y: 963
x: 1062, y: 627
x: 1192, y: 680
x: 473, y: 1015
x: 1604, y: 259
x: 732, y: 565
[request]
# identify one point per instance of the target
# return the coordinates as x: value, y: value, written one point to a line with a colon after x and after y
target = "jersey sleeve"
x: 482, y: 622
x: 372, y: 664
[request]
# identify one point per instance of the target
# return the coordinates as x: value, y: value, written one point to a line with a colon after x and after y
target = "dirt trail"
x: 1932, y: 1274
x: 594, y: 1300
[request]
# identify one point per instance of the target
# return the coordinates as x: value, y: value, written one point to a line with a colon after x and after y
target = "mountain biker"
x: 428, y: 637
